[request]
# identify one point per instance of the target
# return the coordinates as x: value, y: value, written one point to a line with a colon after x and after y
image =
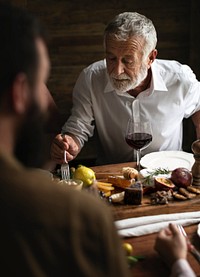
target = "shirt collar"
x: 157, y: 82
x: 157, y: 79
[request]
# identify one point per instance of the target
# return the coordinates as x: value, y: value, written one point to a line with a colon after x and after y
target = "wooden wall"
x: 76, y: 28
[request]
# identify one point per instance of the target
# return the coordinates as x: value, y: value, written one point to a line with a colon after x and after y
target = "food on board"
x: 181, y: 177
x: 120, y: 181
x: 130, y: 173
x: 133, y: 194
x: 162, y: 183
x: 85, y: 174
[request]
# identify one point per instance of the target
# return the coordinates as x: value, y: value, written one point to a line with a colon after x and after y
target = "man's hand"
x: 171, y: 245
x: 63, y: 143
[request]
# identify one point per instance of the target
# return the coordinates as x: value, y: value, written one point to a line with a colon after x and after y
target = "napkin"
x: 144, y: 225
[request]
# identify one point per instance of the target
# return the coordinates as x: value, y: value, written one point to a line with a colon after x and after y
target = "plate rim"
x: 167, y: 153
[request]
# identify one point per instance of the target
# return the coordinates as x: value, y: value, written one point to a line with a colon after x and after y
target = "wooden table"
x: 152, y: 265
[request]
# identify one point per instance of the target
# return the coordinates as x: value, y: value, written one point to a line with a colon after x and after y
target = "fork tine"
x: 68, y: 172
x: 65, y: 173
x: 62, y: 173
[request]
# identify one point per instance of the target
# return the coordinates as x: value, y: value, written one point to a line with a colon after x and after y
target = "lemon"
x: 86, y: 174
x: 128, y: 248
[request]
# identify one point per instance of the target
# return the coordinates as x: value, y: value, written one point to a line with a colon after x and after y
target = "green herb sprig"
x: 156, y: 172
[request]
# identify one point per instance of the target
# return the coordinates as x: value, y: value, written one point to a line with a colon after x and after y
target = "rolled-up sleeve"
x: 80, y: 122
x: 181, y: 268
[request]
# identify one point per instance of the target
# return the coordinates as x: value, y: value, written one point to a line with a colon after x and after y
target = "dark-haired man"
x: 45, y: 230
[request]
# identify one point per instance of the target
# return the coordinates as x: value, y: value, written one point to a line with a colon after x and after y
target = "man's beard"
x: 123, y: 82
x: 31, y: 149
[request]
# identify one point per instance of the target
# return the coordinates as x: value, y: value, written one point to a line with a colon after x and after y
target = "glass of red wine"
x: 138, y: 136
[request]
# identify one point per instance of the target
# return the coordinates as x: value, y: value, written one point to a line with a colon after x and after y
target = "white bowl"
x: 45, y: 173
x: 73, y: 183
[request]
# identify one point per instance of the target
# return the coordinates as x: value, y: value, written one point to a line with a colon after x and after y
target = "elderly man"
x: 129, y: 83
x: 46, y: 230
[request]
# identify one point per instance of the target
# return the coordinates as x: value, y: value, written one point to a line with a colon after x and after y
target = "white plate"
x: 168, y: 159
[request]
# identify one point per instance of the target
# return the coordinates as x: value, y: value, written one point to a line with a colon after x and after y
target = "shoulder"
x: 172, y: 70
x: 95, y: 75
x: 99, y: 65
x: 30, y: 191
x: 96, y: 68
x: 66, y: 202
x: 172, y: 66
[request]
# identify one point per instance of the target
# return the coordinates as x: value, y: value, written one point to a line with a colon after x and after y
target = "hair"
x: 18, y: 53
x: 129, y: 24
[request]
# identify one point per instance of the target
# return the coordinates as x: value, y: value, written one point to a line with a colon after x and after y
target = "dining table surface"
x: 152, y: 265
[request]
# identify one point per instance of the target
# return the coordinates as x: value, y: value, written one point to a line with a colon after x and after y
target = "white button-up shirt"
x: 174, y: 94
x: 181, y: 268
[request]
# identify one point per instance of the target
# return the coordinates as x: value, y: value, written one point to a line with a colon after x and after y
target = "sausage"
x: 193, y: 189
x: 186, y: 193
x: 179, y: 196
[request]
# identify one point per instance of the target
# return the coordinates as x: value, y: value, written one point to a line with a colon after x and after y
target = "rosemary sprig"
x: 157, y: 171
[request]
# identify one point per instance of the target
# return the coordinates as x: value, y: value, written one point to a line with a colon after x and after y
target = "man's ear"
x: 152, y: 57
x: 20, y: 95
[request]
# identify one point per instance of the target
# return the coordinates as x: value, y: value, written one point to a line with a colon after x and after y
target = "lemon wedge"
x: 85, y: 174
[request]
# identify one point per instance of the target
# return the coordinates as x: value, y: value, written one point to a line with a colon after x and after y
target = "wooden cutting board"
x: 122, y: 211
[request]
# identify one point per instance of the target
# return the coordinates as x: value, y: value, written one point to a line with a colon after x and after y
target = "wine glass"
x: 138, y: 136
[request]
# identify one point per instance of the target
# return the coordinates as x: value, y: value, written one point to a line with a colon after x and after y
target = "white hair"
x: 129, y: 24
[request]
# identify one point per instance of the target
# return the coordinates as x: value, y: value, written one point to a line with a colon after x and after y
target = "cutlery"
x: 191, y: 247
x: 65, y: 173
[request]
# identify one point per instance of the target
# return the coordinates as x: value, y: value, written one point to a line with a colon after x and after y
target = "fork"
x: 191, y: 247
x: 65, y: 174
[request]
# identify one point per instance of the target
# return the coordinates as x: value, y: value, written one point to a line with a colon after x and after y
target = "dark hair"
x: 18, y: 53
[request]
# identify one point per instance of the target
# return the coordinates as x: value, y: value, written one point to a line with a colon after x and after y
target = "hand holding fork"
x: 191, y: 247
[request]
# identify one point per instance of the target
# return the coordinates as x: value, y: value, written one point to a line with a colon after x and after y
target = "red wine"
x: 138, y: 140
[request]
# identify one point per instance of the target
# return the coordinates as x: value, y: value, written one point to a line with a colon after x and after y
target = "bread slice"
x: 130, y: 173
x: 120, y: 181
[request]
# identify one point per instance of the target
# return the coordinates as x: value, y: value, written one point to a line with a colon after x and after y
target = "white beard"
x: 123, y: 82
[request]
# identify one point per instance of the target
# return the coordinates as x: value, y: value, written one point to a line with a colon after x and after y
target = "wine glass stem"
x: 138, y: 159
